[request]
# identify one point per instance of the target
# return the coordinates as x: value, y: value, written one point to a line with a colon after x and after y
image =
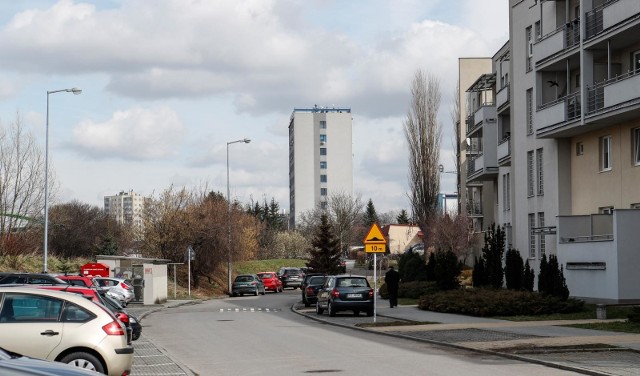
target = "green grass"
x: 256, y: 266
x: 407, y: 301
x: 620, y: 326
x: 589, y: 312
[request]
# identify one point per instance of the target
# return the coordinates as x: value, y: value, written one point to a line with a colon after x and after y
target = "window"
x: 506, y: 192
x: 323, y: 165
x: 541, y: 235
x: 529, y: 111
x: 605, y: 210
x: 508, y: 231
x: 538, y: 30
x: 635, y: 206
x: 323, y: 205
x: 532, y: 237
x: 323, y: 151
x: 529, y: 47
x: 323, y: 139
x: 323, y: 191
x: 636, y: 146
x: 530, y: 173
x: 323, y: 178
x: 605, y: 153
x: 323, y: 124
x: 636, y: 61
x: 30, y: 308
x: 539, y: 163
x: 579, y: 148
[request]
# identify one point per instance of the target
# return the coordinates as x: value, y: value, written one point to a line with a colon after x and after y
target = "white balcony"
x: 621, y: 91
x: 619, y: 11
x: 504, y: 152
x: 549, y: 45
x: 502, y: 97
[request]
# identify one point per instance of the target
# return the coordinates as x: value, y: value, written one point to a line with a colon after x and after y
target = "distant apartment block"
x: 556, y: 121
x: 126, y: 207
x: 320, y: 157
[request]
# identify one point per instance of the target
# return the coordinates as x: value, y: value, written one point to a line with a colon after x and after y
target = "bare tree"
x: 455, y: 234
x: 21, y: 181
x: 423, y: 135
x: 454, y: 113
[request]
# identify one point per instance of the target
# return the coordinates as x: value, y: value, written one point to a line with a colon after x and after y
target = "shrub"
x: 479, y: 276
x: 634, y: 315
x: 411, y: 290
x: 551, y: 279
x: 497, y: 302
x: 412, y: 267
x: 361, y: 257
x: 527, y: 277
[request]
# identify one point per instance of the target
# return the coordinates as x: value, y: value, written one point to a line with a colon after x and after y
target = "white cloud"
x: 137, y: 134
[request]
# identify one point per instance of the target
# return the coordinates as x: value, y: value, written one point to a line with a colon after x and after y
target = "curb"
x: 583, y: 371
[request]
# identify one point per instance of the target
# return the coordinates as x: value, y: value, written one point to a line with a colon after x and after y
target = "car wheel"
x: 135, y: 336
x: 83, y: 360
x: 356, y: 313
x: 319, y: 310
x: 332, y: 311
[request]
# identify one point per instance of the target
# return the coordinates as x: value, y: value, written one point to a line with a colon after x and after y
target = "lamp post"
x: 75, y: 91
x: 246, y: 141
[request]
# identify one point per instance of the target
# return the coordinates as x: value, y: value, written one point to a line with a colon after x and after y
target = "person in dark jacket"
x: 392, y: 280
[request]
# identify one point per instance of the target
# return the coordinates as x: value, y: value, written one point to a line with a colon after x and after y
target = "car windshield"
x: 244, y: 278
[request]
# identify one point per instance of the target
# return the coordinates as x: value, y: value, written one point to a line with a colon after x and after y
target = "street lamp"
x: 75, y: 91
x: 246, y: 141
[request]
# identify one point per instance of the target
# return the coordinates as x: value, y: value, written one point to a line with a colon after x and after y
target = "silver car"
x: 119, y: 285
x: 64, y: 327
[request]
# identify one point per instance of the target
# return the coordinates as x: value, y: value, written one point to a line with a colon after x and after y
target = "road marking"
x: 249, y: 309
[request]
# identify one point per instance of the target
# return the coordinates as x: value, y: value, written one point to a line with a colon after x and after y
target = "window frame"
x: 542, y: 245
x: 530, y: 174
x: 540, y: 171
x: 532, y: 236
x: 606, y: 146
x: 635, y: 136
x: 323, y: 165
x: 529, y: 105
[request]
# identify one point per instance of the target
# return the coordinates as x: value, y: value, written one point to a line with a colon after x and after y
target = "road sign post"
x: 375, y: 243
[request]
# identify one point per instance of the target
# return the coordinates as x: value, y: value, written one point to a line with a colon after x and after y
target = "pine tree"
x: 325, y: 249
x: 447, y: 270
x: 403, y: 218
x: 543, y: 276
x: 370, y: 215
x: 479, y: 274
x: 492, y: 254
x: 513, y: 270
x: 528, y: 277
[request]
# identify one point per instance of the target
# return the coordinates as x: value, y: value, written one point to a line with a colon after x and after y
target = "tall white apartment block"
x: 320, y: 157
x: 126, y: 207
x: 564, y: 151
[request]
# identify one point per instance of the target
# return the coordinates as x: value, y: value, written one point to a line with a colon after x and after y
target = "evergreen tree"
x: 402, y: 218
x: 527, y: 277
x: 543, y: 276
x: 513, y: 270
x: 447, y: 270
x: 108, y: 246
x: 325, y: 249
x: 431, y: 267
x: 370, y: 215
x: 412, y: 267
x: 479, y: 274
x: 492, y: 254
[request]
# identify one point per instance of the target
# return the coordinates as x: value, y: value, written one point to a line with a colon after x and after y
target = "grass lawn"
x: 589, y: 312
x: 625, y: 327
x: 257, y: 266
x: 407, y: 301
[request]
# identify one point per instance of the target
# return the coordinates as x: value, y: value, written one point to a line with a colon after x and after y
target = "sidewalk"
x: 586, y: 351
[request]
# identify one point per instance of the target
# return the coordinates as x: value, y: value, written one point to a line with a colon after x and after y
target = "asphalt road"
x: 260, y: 335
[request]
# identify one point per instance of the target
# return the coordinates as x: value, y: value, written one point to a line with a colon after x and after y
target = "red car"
x: 271, y: 281
x: 77, y: 280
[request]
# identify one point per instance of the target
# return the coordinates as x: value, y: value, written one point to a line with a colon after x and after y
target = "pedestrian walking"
x: 392, y: 280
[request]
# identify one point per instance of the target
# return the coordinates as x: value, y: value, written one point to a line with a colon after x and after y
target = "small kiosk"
x: 147, y: 275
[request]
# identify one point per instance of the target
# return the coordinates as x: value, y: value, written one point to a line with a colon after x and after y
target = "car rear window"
x: 352, y: 282
x: 294, y: 271
x: 317, y: 280
x: 265, y: 276
x: 244, y: 278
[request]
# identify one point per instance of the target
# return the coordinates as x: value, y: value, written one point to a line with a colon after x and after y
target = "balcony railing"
x: 504, y: 149
x: 474, y: 208
x: 562, y: 38
x: 559, y: 111
x: 613, y: 92
x: 485, y: 113
x: 609, y: 14
x: 503, y: 97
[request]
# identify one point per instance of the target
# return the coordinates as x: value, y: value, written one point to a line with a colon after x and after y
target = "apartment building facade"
x: 320, y: 158
x: 126, y: 207
x: 567, y: 136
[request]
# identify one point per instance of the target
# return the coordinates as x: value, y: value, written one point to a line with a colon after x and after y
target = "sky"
x: 167, y: 83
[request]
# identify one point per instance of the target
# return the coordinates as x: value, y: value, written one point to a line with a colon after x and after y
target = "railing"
x: 595, y: 94
x: 586, y: 238
x: 474, y: 208
x: 504, y: 148
x: 572, y: 33
x: 594, y: 22
x: 572, y: 105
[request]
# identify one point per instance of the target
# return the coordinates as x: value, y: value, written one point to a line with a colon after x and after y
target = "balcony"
x: 484, y: 114
x: 599, y: 253
x: 474, y: 209
x: 618, y: 96
x: 610, y: 14
x: 483, y: 167
x: 552, y: 117
x: 504, y: 152
x: 503, y: 98
x: 563, y: 38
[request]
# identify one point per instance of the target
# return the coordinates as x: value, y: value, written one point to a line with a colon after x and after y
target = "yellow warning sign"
x: 374, y: 236
x: 375, y: 248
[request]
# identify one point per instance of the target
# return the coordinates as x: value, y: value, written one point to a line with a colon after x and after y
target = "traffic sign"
x: 375, y: 242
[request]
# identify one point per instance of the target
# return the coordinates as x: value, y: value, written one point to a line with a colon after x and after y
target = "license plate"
x: 354, y: 295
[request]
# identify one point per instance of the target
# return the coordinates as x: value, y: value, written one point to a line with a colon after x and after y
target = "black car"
x: 291, y: 277
x: 312, y: 283
x: 30, y: 279
x: 115, y: 306
x: 345, y: 293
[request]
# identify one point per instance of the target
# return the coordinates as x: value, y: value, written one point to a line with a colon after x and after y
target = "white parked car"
x: 119, y: 285
x: 64, y: 327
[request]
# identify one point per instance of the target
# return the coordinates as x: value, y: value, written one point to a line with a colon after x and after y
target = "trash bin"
x: 601, y: 312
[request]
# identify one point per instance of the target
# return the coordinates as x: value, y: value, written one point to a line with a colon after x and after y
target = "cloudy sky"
x: 167, y: 83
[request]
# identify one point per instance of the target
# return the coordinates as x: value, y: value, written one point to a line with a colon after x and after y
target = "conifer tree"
x: 325, y: 249
x: 403, y: 218
x: 527, y: 277
x: 370, y: 215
